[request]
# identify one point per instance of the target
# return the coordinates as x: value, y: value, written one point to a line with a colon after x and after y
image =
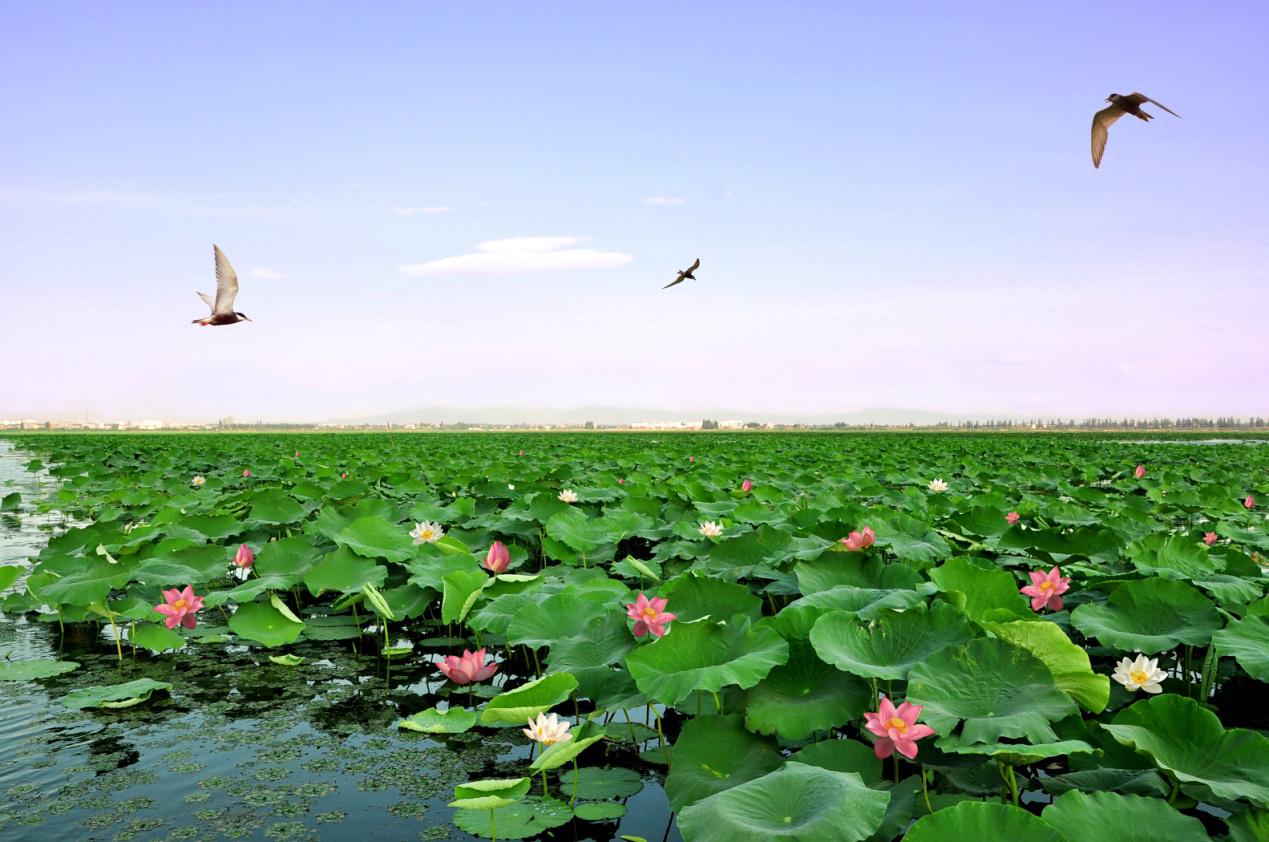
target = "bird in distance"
x: 686, y: 274
x: 222, y: 309
x: 1119, y: 106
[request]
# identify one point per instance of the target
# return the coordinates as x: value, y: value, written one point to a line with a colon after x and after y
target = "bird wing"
x: 677, y: 280
x: 694, y: 266
x: 1140, y: 99
x: 226, y: 283
x: 211, y: 305
x: 1102, y: 122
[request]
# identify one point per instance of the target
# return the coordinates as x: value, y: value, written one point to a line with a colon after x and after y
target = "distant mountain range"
x: 609, y: 415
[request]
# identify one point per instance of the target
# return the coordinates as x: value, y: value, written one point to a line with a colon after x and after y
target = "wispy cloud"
x: 265, y: 274
x: 663, y: 200
x: 520, y: 255
x: 426, y: 209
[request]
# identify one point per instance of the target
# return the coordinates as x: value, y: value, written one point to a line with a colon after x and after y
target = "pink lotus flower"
x: 521, y: 452
x: 1139, y: 472
x: 297, y: 454
x: 1249, y: 502
x: 180, y: 607
x: 1012, y: 518
x: 649, y: 615
x: 1209, y: 538
x: 498, y: 558
x: 246, y: 473
x: 470, y: 667
x: 343, y: 475
x: 896, y: 728
x: 746, y: 486
x: 859, y: 540
x: 621, y: 481
x: 691, y: 458
x: 1046, y: 589
x: 244, y: 558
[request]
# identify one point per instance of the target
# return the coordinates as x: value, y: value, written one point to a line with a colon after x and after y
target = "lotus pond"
x: 636, y: 636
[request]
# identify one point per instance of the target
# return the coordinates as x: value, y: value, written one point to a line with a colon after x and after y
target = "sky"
x: 456, y: 204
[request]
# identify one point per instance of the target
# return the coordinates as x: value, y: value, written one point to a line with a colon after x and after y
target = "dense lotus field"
x: 809, y: 636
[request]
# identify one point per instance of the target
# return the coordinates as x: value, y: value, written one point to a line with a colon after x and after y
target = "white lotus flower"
x: 198, y: 481
x: 710, y: 529
x: 568, y: 495
x: 937, y: 486
x: 427, y: 532
x: 1141, y: 674
x: 548, y: 730
x: 510, y: 487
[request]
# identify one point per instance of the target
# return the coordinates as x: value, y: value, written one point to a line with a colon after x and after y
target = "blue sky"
x: 892, y: 208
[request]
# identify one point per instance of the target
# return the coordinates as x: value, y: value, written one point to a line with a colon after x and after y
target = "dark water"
x: 244, y: 748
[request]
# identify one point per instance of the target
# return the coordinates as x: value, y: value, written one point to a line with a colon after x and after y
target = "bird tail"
x: 1145, y: 116
x: 203, y: 321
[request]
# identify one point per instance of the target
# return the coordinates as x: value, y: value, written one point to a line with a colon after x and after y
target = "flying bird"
x: 686, y: 274
x: 1119, y: 106
x: 222, y: 309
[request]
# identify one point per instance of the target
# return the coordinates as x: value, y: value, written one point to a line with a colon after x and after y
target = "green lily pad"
x: 433, y: 721
x: 707, y: 655
x: 981, y: 590
x: 996, y: 688
x: 975, y: 821
x: 842, y: 756
x: 599, y: 812
x: 1125, y: 818
x: 716, y: 753
x: 692, y: 597
x: 286, y: 660
x: 343, y: 572
x: 529, y: 817
x: 1150, y: 616
x: 31, y: 670
x: 490, y: 794
x: 1186, y: 739
x: 602, y: 783
x: 1247, y: 641
x: 264, y: 624
x: 528, y: 700
x: 374, y: 537
x: 461, y: 590
x: 804, y: 695
x: 156, y: 637
x: 275, y: 506
x: 796, y: 802
x: 115, y: 695
x: 1071, y: 668
x: 893, y: 644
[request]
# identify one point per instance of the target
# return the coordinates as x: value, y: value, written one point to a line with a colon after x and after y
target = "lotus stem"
x: 1006, y: 773
x: 718, y: 706
x: 537, y: 665
x: 925, y: 790
x: 115, y: 631
x: 544, y: 791
x: 1189, y: 671
x: 1210, y: 662
x: 661, y: 738
x: 576, y: 777
x: 493, y: 828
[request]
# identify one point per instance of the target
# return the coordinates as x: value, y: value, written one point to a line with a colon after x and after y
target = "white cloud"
x: 266, y: 274
x: 663, y: 200
x: 519, y: 255
x: 426, y: 209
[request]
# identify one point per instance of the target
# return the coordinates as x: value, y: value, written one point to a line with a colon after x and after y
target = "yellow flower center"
x: 1046, y: 585
x: 898, y: 724
x: 650, y: 612
x: 179, y: 604
x: 1139, y: 676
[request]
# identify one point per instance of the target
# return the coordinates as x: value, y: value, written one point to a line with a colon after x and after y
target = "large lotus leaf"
x: 274, y: 506
x: 1016, y: 754
x: 559, y: 617
x: 1127, y: 781
x: 603, y: 641
x: 90, y: 582
x: 31, y: 670
x: 764, y: 547
x: 804, y: 695
x: 707, y: 655
x: 185, y: 567
x: 796, y: 802
x: 1247, y: 640
x: 156, y: 637
x: 1124, y: 818
x: 489, y: 794
x: 461, y: 590
x: 983, y: 590
x: 124, y: 695
x: 859, y: 570
x: 264, y: 624
x: 1186, y: 739
x: 893, y: 644
x: 338, y: 627
x: 433, y: 721
x: 586, y: 535
x: 343, y: 571
x: 976, y: 821
x: 911, y: 540
x: 288, y: 559
x: 213, y: 527
x: 1149, y: 616
x: 798, y: 617
x: 1229, y: 590
x: 1069, y: 664
x: 599, y: 783
x: 1250, y: 826
x: 530, y: 817
x: 9, y: 574
x: 1173, y: 556
x: 375, y: 537
x: 691, y: 597
x: 528, y: 700
x: 842, y: 756
x: 996, y: 688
